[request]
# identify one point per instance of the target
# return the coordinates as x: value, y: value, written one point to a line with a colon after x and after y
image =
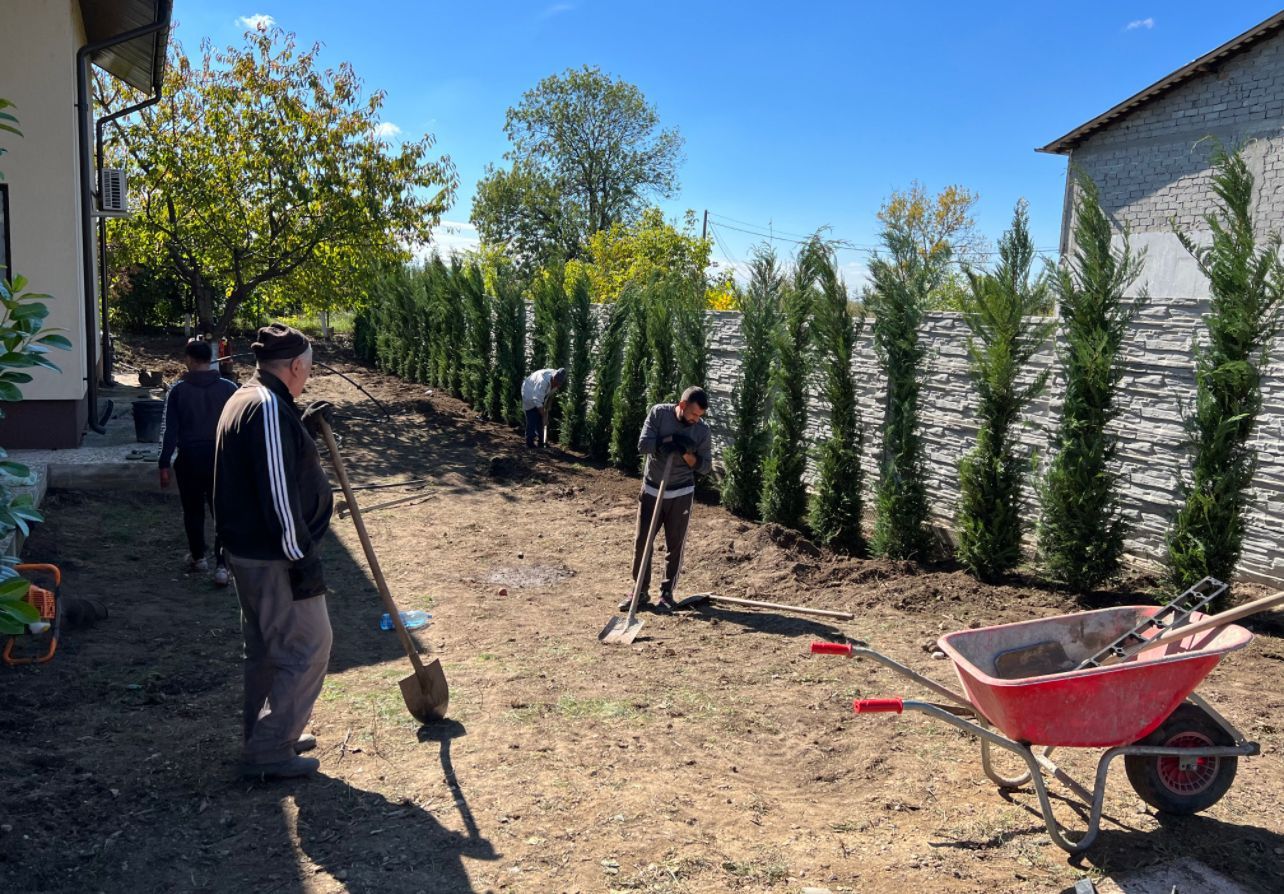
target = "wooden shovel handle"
x: 779, y: 606
x: 342, y: 473
x: 1218, y: 620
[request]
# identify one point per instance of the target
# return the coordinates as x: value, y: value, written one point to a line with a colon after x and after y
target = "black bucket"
x: 148, y: 416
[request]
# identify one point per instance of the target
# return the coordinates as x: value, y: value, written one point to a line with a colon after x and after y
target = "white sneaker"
x: 220, y: 576
x: 197, y: 564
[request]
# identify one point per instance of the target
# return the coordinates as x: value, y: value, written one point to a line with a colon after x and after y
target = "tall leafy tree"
x: 1246, y: 285
x: 1082, y: 528
x: 784, y: 493
x: 587, y: 151
x: 1000, y: 310
x: 904, y: 280
x: 760, y: 309
x: 575, y: 431
x: 838, y: 506
x: 510, y: 345
x: 257, y: 165
x: 662, y: 368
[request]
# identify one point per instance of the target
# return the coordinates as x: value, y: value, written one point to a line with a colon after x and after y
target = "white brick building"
x: 1149, y: 154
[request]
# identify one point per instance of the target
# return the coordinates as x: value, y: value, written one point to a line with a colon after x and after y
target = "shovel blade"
x: 618, y: 630
x: 426, y: 693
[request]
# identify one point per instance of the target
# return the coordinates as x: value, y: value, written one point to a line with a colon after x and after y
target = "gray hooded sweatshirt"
x: 662, y: 422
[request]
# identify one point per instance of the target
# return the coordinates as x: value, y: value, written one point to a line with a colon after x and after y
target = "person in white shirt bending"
x: 537, y: 390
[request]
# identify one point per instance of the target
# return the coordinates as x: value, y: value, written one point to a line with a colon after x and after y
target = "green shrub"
x: 837, y: 508
x: 999, y: 308
x: 629, y: 412
x: 759, y: 317
x: 1246, y: 284
x: 607, y: 373
x: 784, y: 493
x: 903, y: 283
x: 1081, y: 531
x: 575, y: 431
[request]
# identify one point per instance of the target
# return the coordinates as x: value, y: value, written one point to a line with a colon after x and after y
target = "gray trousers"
x: 287, y: 649
x: 675, y: 514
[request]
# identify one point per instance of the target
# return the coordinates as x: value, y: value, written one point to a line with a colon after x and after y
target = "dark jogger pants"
x: 195, y: 474
x: 534, y: 428
x: 674, y: 516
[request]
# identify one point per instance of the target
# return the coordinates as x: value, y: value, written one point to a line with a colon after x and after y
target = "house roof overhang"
x: 139, y: 62
x: 1209, y: 62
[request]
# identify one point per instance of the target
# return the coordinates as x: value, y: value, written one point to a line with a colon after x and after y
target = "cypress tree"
x: 575, y: 430
x: 477, y: 359
x: 510, y: 348
x: 836, y: 510
x: 999, y: 309
x: 1082, y: 529
x: 903, y: 282
x: 1246, y: 283
x: 607, y: 374
x: 759, y: 318
x: 784, y: 494
x: 691, y: 338
x: 630, y: 408
x: 661, y: 299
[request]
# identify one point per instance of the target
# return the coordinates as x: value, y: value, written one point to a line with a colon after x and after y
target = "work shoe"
x: 306, y: 742
x: 665, y: 604
x: 643, y: 601
x: 220, y: 576
x: 293, y: 768
x: 201, y: 564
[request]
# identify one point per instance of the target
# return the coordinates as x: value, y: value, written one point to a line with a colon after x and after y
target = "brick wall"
x: 1151, y: 166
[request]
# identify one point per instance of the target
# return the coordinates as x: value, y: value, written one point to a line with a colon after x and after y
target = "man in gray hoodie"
x: 676, y: 429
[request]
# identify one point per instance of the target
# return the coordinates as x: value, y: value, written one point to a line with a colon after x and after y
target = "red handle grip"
x: 819, y: 648
x: 878, y: 706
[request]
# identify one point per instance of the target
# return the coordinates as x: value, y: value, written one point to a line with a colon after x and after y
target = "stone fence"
x: 1158, y: 384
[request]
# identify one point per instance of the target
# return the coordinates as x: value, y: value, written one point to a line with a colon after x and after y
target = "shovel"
x: 623, y: 630
x: 425, y: 691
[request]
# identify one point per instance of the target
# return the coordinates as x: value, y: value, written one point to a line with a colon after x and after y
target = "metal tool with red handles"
x: 1179, y: 752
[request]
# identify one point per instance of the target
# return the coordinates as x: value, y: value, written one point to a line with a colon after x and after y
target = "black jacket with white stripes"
x: 272, y: 499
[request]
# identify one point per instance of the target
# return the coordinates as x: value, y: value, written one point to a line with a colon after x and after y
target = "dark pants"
x: 195, y: 474
x: 675, y: 513
x: 287, y: 650
x: 534, y: 428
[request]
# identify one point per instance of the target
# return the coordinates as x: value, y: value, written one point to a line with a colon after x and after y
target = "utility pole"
x: 704, y: 230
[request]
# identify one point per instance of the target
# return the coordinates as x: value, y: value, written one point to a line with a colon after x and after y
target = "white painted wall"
x: 38, y: 74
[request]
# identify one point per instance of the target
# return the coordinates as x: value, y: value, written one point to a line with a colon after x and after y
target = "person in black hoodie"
x: 272, y: 507
x: 192, y: 410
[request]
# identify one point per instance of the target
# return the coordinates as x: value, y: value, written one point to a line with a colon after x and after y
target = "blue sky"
x: 795, y: 116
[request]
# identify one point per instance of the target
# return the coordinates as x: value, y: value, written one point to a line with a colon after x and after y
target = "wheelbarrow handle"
x: 878, y: 706
x: 822, y: 648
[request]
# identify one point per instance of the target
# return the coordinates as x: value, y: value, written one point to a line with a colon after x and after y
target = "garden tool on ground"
x: 425, y: 691
x: 623, y: 630
x: 697, y: 598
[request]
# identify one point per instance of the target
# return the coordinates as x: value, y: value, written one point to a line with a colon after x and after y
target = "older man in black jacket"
x: 272, y: 507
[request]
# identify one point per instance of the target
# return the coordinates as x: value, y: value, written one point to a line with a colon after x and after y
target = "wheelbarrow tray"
x: 1098, y: 707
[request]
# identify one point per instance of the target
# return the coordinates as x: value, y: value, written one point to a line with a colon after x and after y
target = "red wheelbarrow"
x: 1180, y: 754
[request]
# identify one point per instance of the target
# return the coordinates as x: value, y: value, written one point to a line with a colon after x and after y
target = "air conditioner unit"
x: 113, y: 193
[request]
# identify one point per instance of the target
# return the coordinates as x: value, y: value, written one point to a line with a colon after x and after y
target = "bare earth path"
x: 715, y: 754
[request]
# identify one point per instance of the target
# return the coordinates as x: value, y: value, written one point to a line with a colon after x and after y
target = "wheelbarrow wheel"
x: 1183, y: 786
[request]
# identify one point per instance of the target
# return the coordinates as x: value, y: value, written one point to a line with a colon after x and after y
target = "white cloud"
x: 386, y: 130
x: 556, y: 10
x: 1146, y: 23
x: 257, y: 22
x: 450, y: 237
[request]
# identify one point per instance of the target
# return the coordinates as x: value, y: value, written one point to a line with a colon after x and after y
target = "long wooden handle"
x: 753, y: 603
x: 650, y: 537
x: 342, y: 473
x: 1218, y: 620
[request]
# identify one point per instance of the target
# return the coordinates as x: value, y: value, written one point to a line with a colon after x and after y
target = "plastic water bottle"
x: 413, y: 620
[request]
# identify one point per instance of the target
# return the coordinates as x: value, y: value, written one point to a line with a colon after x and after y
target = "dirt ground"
x: 714, y: 754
